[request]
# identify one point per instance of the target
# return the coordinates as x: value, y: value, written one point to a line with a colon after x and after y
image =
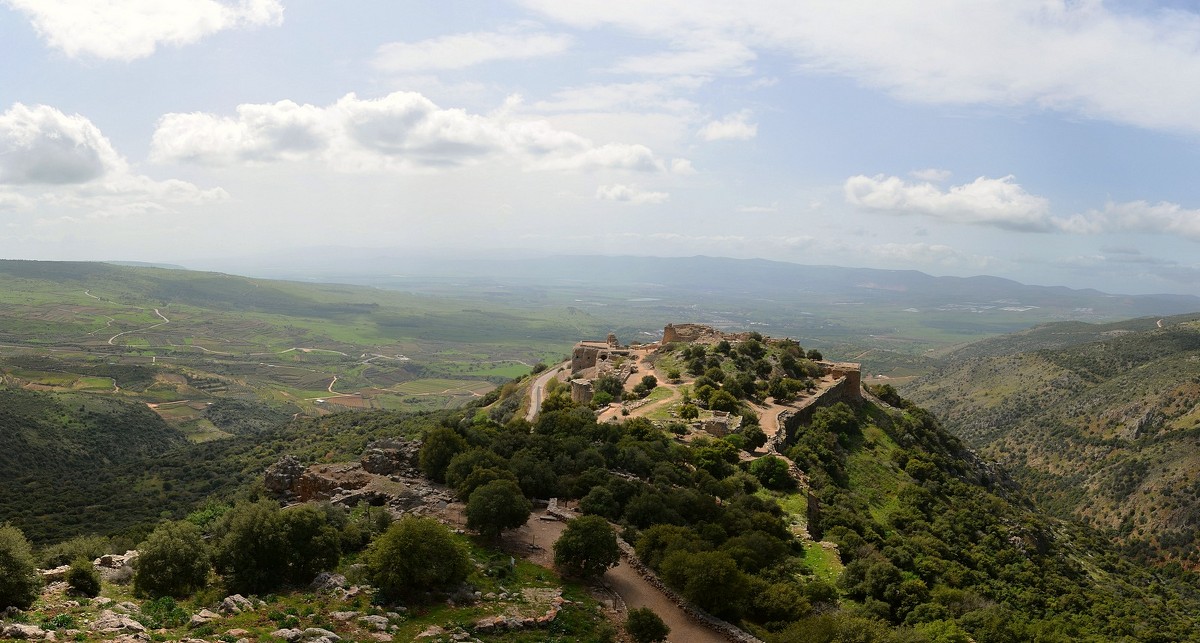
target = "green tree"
x: 19, y: 579
x: 608, y: 384
x: 313, y: 545
x: 172, y: 561
x: 722, y: 401
x: 710, y: 579
x: 440, y: 447
x: 649, y: 381
x: 689, y: 412
x: 772, y: 472
x: 644, y: 626
x: 496, y: 506
x: 252, y: 552
x: 415, y: 555
x: 83, y: 578
x: 587, y: 547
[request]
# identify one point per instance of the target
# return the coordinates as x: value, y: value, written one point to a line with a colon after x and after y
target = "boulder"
x: 203, y: 617
x: 326, y: 581
x: 378, y: 622
x: 22, y: 631
x: 58, y: 574
x: 110, y: 622
x: 235, y: 604
x: 290, y: 634
x: 318, y: 634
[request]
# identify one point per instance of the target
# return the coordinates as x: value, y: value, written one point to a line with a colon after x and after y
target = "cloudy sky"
x: 1050, y: 141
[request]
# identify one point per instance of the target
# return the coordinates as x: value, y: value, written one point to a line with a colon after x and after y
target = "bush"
x: 496, y: 506
x: 415, y: 555
x: 644, y: 626
x: 19, y: 579
x: 89, y: 547
x: 173, y: 561
x: 83, y: 578
x: 587, y: 547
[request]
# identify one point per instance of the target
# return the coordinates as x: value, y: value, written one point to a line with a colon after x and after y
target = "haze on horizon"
x: 1048, y: 141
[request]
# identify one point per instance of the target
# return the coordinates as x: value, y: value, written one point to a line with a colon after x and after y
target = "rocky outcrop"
x: 281, y: 476
x: 392, y: 457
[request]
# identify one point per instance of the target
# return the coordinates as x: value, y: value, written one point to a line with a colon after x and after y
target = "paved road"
x: 537, y: 392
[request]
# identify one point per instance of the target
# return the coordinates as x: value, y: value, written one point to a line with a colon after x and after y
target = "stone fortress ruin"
x: 593, y: 359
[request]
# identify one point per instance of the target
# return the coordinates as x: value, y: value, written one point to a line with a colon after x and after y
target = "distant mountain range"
x: 650, y: 276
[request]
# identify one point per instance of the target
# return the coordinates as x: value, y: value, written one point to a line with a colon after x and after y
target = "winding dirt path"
x: 136, y: 330
x: 537, y: 392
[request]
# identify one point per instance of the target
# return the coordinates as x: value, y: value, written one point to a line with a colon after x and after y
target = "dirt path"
x: 535, y: 542
x: 160, y: 316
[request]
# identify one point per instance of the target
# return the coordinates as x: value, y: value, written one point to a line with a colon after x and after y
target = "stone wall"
x: 692, y: 333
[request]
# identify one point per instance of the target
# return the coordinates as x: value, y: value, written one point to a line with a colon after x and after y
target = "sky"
x: 1055, y: 142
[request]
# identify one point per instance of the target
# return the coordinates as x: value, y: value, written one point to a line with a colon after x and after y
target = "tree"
x: 609, y: 384
x: 710, y: 579
x: 252, y: 552
x: 650, y: 382
x: 440, y: 447
x: 83, y: 578
x: 415, y: 555
x: 689, y: 412
x: 19, y: 579
x: 313, y: 545
x: 722, y: 401
x: 772, y: 472
x: 496, y: 506
x: 645, y: 626
x: 172, y: 561
x: 587, y: 547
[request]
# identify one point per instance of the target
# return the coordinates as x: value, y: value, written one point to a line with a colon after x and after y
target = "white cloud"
x: 403, y: 130
x: 41, y: 145
x: 1080, y: 57
x: 933, y: 175
x: 630, y: 194
x: 659, y: 95
x: 130, y: 29
x: 464, y: 50
x: 1138, y: 216
x: 50, y: 158
x: 731, y: 128
x: 1001, y: 203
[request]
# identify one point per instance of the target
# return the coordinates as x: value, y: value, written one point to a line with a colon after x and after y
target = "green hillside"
x: 1103, y: 423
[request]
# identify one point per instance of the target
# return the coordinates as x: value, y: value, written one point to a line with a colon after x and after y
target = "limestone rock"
x: 235, y: 604
x: 378, y: 622
x: 109, y: 622
x: 22, y: 631
x: 325, y: 582
x: 290, y: 634
x: 58, y: 574
x: 318, y: 634
x: 431, y: 631
x: 203, y: 617
x: 281, y: 476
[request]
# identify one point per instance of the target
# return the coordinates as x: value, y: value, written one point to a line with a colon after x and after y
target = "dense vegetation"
x: 1103, y: 423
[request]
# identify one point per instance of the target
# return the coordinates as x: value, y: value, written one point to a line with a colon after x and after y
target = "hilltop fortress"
x: 591, y: 359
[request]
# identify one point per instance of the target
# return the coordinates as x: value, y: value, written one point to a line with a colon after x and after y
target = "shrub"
x: 415, y: 555
x: 587, y: 547
x: 173, y: 561
x: 83, y: 578
x: 313, y: 545
x: 19, y: 580
x: 645, y: 626
x: 89, y: 547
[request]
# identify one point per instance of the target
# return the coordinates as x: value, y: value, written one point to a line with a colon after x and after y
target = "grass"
x: 824, y: 563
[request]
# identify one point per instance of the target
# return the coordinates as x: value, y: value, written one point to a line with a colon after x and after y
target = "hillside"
x: 1103, y: 423
x: 181, y: 340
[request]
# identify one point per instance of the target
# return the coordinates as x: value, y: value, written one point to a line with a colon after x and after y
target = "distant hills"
x: 1097, y: 420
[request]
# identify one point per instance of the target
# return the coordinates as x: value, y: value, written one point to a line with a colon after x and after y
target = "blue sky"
x: 1047, y: 141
